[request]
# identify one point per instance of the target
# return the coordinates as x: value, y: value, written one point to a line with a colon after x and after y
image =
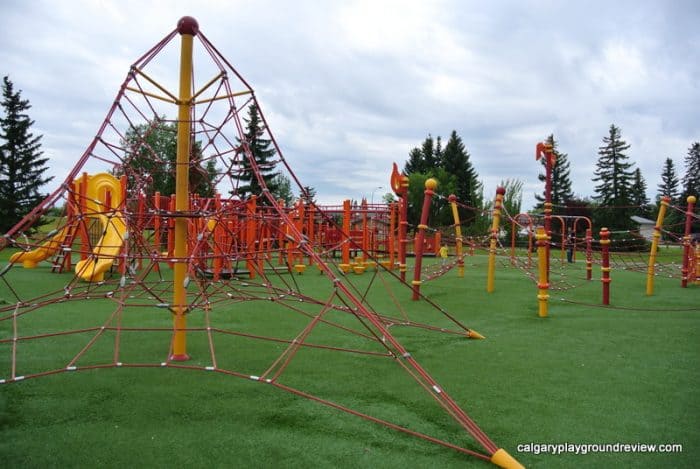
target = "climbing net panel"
x: 103, y: 242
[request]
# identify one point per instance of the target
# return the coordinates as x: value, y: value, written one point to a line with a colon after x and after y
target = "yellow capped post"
x: 665, y: 200
x: 188, y: 28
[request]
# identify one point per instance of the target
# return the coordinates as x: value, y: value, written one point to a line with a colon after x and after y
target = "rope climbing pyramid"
x: 181, y: 259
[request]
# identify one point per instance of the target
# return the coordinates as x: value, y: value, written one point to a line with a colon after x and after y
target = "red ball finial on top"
x: 501, y: 190
x: 187, y: 25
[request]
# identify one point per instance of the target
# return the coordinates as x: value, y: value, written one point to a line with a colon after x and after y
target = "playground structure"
x: 207, y: 244
x: 242, y: 238
x: 93, y: 218
x: 228, y: 252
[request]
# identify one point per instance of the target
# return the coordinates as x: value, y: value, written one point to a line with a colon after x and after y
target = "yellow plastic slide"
x: 93, y: 268
x: 98, y: 189
x: 30, y: 259
x: 107, y: 249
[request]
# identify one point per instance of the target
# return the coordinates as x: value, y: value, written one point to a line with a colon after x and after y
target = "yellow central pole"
x: 187, y: 27
x: 655, y: 244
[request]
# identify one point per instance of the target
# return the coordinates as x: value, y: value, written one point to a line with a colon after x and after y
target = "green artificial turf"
x: 586, y: 374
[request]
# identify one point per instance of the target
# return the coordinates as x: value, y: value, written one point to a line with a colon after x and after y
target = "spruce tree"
x: 561, y: 180
x: 455, y: 160
x: 614, y: 176
x: 669, y: 182
x: 308, y: 195
x: 22, y: 167
x: 691, y: 179
x: 639, y: 194
x: 669, y: 187
x: 415, y: 163
x: 428, y: 150
x: 455, y: 174
x: 437, y: 153
x: 262, y: 151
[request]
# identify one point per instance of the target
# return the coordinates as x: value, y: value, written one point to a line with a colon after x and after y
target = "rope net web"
x: 109, y: 245
x: 567, y: 241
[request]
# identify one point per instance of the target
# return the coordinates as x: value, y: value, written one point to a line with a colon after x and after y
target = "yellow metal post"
x: 187, y: 27
x: 500, y: 192
x: 542, y: 284
x: 655, y: 244
x: 458, y: 234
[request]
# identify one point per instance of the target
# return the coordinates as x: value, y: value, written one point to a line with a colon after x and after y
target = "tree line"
x: 620, y: 190
x: 150, y: 153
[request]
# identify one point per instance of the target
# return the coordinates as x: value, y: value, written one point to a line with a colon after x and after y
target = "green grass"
x: 585, y: 374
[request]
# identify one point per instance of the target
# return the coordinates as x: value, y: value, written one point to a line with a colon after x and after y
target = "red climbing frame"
x: 234, y: 241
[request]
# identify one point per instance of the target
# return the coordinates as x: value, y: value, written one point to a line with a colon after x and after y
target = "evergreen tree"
x: 425, y: 158
x: 691, y: 179
x: 428, y: 150
x: 674, y: 220
x: 415, y: 163
x: 437, y: 154
x: 21, y: 164
x: 308, y: 195
x: 561, y: 180
x: 262, y: 151
x: 669, y: 182
x: 455, y: 161
x: 455, y: 175
x: 639, y: 194
x: 614, y: 174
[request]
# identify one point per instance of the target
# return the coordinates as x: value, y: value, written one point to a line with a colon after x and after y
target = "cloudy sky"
x: 348, y: 87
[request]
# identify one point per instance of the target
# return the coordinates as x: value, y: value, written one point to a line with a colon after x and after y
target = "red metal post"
x: 589, y: 253
x: 345, y: 250
x: 605, y: 269
x: 430, y: 186
x: 687, y: 252
x: 392, y: 232
x: 365, y: 232
x: 546, y: 150
x: 250, y: 235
